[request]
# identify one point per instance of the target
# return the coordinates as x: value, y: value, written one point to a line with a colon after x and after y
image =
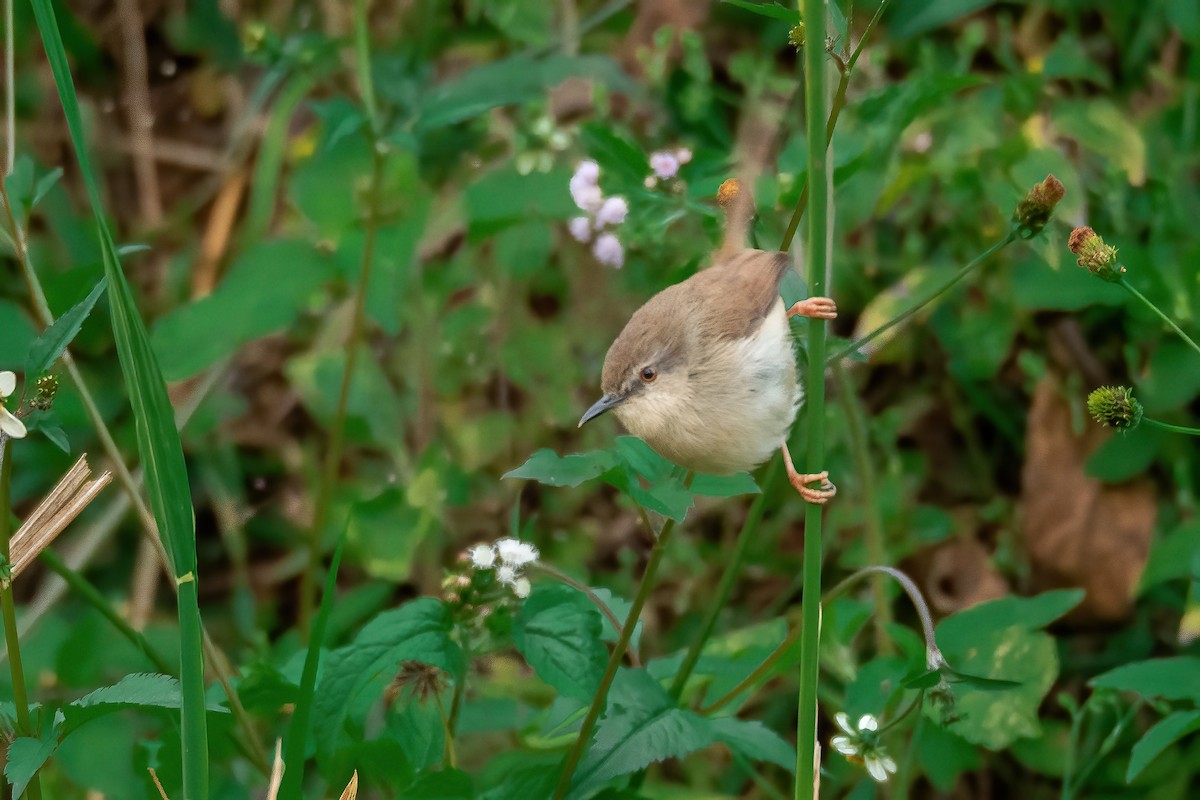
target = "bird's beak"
x: 605, y: 403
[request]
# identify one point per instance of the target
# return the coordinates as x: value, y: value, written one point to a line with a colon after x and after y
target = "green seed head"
x: 1115, y: 407
x: 796, y: 36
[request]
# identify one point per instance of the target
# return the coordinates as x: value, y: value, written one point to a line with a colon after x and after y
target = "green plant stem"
x: 966, y: 270
x: 1170, y: 322
x: 1166, y: 426
x: 84, y: 588
x: 8, y: 609
x: 728, y: 578
x: 333, y: 453
x: 839, y: 101
x: 873, y: 521
x: 758, y: 674
x: 816, y: 261
x: 587, y: 592
x: 614, y: 660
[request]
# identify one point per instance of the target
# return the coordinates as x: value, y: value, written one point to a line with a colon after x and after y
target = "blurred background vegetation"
x: 230, y: 138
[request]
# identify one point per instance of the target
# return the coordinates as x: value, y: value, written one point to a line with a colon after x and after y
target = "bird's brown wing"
x: 739, y: 291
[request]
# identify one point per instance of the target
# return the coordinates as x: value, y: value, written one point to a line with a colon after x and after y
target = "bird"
x: 704, y: 372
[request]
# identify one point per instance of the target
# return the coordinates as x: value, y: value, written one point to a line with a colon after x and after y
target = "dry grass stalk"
x: 65, y: 502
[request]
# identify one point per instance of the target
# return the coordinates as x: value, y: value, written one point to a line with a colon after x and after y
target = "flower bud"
x: 1115, y: 406
x: 47, y: 388
x: 1034, y: 211
x: 1094, y: 255
x: 728, y: 192
x: 796, y: 36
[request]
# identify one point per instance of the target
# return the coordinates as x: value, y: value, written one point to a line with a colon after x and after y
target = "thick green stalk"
x: 816, y: 261
x: 7, y: 607
x: 1170, y: 322
x: 941, y: 290
x: 333, y: 452
x: 614, y: 661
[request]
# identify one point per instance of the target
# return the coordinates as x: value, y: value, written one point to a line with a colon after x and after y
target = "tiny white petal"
x: 516, y: 553
x: 844, y: 746
x: 10, y: 425
x: 650, y: 182
x: 483, y: 556
x: 8, y: 383
x: 875, y: 768
x: 889, y: 764
x: 613, y: 212
x: 843, y: 722
x: 521, y: 588
x: 608, y: 251
x: 580, y: 228
x: 506, y: 574
x: 867, y: 722
x: 684, y: 155
x: 587, y: 172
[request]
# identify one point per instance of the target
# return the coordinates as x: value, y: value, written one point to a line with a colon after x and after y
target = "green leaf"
x: 1175, y: 556
x: 754, y: 741
x: 640, y: 727
x: 54, y: 340
x: 546, y: 466
x: 1174, y: 678
x: 416, y: 631
x: 558, y: 632
x: 446, y: 784
x: 48, y: 424
x: 26, y: 755
x: 141, y: 690
x: 197, y: 335
x: 788, y: 15
x: 999, y: 640
x: 914, y: 17
x: 1162, y: 735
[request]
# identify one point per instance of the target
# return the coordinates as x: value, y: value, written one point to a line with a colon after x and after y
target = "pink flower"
x: 664, y: 164
x: 587, y: 172
x: 608, y: 251
x: 586, y: 195
x: 612, y: 212
x: 580, y: 228
x: 684, y: 155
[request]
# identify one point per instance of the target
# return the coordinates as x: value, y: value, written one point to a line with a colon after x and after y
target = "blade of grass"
x: 297, y: 735
x: 158, y: 441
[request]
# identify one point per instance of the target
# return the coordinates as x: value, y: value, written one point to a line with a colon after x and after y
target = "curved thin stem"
x: 562, y: 577
x: 1170, y: 322
x: 725, y: 586
x: 1166, y: 426
x: 970, y: 267
x: 614, y: 661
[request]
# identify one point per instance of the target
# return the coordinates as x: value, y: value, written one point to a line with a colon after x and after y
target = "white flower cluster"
x: 861, y: 743
x: 513, y: 555
x: 666, y: 164
x: 10, y: 426
x: 602, y: 212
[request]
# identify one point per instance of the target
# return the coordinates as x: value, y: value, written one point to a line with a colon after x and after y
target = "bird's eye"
x: 649, y: 374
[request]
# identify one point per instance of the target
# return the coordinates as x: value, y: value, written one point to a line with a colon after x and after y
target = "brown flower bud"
x: 1034, y: 211
x: 1094, y: 255
x: 728, y: 192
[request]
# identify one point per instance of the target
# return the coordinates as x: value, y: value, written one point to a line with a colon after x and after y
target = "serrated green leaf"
x: 1174, y: 678
x: 1162, y: 735
x: 25, y: 757
x: 755, y: 741
x: 46, y: 348
x: 141, y: 690
x: 558, y: 630
x: 546, y: 466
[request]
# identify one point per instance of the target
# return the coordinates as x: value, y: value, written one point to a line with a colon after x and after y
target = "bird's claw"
x: 816, y: 307
x: 816, y: 496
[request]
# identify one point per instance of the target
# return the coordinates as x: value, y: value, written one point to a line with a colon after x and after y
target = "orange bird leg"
x: 800, y: 481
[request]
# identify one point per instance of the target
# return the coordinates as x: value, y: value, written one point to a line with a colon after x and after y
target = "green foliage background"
x: 487, y: 324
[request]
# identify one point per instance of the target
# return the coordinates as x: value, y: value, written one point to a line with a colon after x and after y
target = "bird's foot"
x: 818, y: 307
x: 817, y: 496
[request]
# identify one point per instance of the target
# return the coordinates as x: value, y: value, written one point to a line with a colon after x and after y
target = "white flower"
x: 684, y: 155
x: 613, y: 212
x: 650, y: 182
x: 9, y: 425
x: 861, y: 743
x: 664, y: 164
x: 580, y: 228
x: 521, y: 588
x: 506, y: 574
x: 483, y: 556
x: 516, y: 553
x: 608, y: 250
